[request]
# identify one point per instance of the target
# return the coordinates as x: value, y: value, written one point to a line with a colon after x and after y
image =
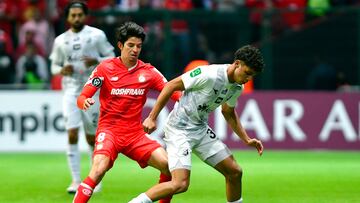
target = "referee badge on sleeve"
x: 96, y: 82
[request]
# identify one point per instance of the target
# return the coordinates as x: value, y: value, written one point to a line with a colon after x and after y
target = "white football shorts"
x: 73, y: 116
x: 205, y: 144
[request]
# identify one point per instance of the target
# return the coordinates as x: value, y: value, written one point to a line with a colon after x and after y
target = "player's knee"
x: 73, y: 136
x: 164, y: 167
x: 90, y: 139
x: 180, y: 186
x: 235, y: 173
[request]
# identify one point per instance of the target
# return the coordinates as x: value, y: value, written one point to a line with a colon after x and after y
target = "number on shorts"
x: 101, y: 137
x: 211, y: 133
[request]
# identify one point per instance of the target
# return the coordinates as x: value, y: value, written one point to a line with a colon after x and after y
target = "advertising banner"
x: 32, y: 120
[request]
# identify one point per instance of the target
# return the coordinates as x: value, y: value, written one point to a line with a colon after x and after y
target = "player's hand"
x: 88, y: 102
x: 67, y: 70
x: 257, y: 144
x: 89, y: 61
x: 149, y: 125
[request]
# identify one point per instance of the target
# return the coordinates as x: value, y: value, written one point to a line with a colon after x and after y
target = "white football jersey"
x: 206, y: 88
x: 71, y: 47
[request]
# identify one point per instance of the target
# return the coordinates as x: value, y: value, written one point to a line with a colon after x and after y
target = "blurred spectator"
x: 256, y: 16
x: 29, y: 39
x: 6, y: 39
x: 44, y: 33
x: 55, y: 12
x: 6, y: 65
x: 8, y: 11
x: 27, y: 8
x: 202, y: 49
x: 228, y: 5
x: 292, y: 12
x: 180, y: 33
x: 31, y: 68
x: 129, y: 5
x: 322, y: 77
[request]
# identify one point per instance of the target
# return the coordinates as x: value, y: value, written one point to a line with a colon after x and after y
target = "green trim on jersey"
x: 195, y: 72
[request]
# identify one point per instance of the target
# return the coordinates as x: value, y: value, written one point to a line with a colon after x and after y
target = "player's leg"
x: 90, y: 121
x: 156, y: 157
x: 216, y: 154
x: 233, y: 175
x: 159, y: 138
x: 105, y: 154
x: 101, y: 164
x: 72, y: 118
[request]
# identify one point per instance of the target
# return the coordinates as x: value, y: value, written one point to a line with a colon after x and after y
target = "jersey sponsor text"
x: 127, y: 91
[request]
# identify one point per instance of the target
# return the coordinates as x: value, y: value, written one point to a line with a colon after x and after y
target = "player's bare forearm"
x: 149, y: 123
x: 165, y: 94
x: 232, y: 119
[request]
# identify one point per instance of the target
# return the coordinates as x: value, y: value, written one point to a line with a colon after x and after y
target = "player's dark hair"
x: 129, y: 29
x: 252, y: 57
x: 76, y: 4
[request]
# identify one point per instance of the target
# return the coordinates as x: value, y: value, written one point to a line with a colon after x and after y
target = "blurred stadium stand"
x: 292, y: 52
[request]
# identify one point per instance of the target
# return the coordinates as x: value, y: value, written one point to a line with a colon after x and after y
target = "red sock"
x: 84, y: 191
x: 165, y: 178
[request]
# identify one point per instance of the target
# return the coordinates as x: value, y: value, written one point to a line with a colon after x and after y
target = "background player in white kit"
x: 187, y: 130
x: 74, y: 55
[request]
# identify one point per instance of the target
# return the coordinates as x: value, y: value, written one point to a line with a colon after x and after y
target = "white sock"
x: 73, y: 157
x: 237, y: 201
x: 142, y: 198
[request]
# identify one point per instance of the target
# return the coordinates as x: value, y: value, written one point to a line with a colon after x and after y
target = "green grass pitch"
x: 276, y: 177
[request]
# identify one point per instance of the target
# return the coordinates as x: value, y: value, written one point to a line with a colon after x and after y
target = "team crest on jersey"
x: 96, y: 82
x: 142, y: 78
x: 76, y: 46
x: 195, y: 72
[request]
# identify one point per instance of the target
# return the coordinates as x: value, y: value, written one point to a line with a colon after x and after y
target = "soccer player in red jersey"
x: 124, y: 82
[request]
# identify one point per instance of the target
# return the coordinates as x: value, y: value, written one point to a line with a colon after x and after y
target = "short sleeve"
x: 233, y: 99
x: 195, y: 79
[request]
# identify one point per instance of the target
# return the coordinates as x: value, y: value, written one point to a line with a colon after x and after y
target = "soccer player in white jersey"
x: 186, y: 131
x: 74, y: 55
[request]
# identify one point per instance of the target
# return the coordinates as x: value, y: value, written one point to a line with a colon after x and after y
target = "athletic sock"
x: 142, y: 198
x: 237, y: 201
x: 84, y: 191
x: 165, y: 178
x: 73, y: 157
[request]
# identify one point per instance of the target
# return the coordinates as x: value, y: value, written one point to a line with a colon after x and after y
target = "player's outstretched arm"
x: 232, y: 119
x: 176, y: 84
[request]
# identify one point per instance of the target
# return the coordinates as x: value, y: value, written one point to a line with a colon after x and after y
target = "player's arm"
x: 176, y: 84
x: 57, y: 60
x: 85, y: 100
x: 105, y: 49
x: 232, y: 119
x: 160, y: 82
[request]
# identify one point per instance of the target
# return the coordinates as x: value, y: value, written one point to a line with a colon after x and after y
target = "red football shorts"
x: 138, y: 148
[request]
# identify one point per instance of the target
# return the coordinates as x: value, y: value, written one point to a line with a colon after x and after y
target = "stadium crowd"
x: 28, y: 29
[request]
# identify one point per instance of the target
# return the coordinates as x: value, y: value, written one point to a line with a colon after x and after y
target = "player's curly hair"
x: 251, y: 56
x: 76, y: 4
x: 129, y: 29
